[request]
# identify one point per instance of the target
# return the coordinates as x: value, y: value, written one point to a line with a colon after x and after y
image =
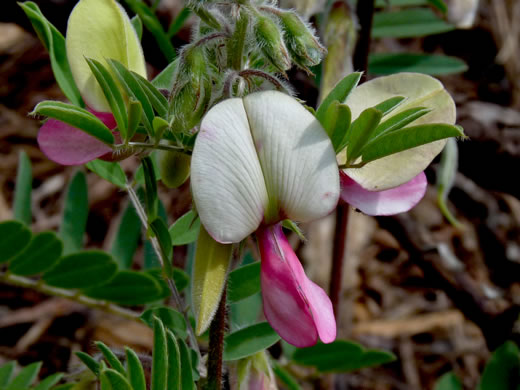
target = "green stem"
x: 72, y: 295
x: 216, y: 346
x: 163, y: 260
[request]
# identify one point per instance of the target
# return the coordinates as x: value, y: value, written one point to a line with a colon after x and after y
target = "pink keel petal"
x: 67, y: 145
x: 296, y: 308
x: 394, y: 201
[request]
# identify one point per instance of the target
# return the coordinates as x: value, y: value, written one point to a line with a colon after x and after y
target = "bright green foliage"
x: 43, y: 252
x: 159, y: 360
x: 89, y: 361
x: 75, y: 214
x: 25, y: 377
x: 172, y: 319
x: 82, y: 270
x: 54, y: 42
x: 248, y: 341
x: 185, y: 230
x: 14, y: 237
x: 408, y: 23
x: 502, y: 372
x: 110, y: 171
x: 127, y: 237
x: 435, y: 65
x: 133, y: 89
x: 128, y: 288
x: 339, y: 94
x: 77, y: 117
x: 448, y: 381
x: 174, y: 362
x: 341, y: 356
x: 111, y: 358
x: 285, y: 377
x: 112, y: 94
x: 6, y: 372
x: 23, y: 190
x: 187, y: 379
x: 151, y: 199
x: 243, y: 282
x: 113, y: 380
x: 407, y: 138
x: 135, y: 372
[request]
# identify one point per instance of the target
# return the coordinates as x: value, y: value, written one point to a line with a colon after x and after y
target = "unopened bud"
x: 340, y: 36
x: 189, y: 105
x: 174, y: 168
x: 304, y: 47
x: 269, y: 39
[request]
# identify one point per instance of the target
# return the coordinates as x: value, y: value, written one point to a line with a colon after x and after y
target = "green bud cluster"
x: 236, y: 41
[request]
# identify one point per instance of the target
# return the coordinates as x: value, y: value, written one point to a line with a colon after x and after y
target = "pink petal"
x: 394, y: 201
x: 298, y: 309
x: 67, y: 145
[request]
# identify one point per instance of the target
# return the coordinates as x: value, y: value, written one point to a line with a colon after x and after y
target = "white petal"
x: 420, y: 90
x: 100, y: 29
x: 226, y: 177
x: 296, y: 155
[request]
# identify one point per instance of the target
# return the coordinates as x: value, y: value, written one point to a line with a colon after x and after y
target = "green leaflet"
x: 435, y: 65
x: 42, y: 253
x: 75, y: 214
x: 81, y: 270
x: 14, y: 237
x: 408, y: 23
x: 77, y: 117
x: 339, y: 93
x: 407, y: 138
x: 54, y: 42
x: 341, y: 356
x: 110, y: 171
x: 248, y: 341
x: 112, y: 93
x: 23, y: 190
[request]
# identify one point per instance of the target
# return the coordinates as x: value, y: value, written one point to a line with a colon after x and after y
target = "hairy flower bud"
x: 304, y: 47
x: 192, y: 89
x: 269, y: 38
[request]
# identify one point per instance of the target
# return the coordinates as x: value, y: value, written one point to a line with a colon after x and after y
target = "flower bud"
x: 269, y: 39
x: 254, y: 373
x: 302, y: 43
x: 174, y: 168
x: 192, y: 90
x: 340, y: 36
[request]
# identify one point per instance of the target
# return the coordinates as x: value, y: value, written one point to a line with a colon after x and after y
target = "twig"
x: 72, y: 295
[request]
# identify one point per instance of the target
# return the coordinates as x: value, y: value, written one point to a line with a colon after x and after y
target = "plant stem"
x: 216, y: 346
x: 365, y: 12
x: 72, y: 295
x: 160, y: 255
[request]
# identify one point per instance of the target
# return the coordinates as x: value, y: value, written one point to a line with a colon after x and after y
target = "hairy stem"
x: 72, y: 295
x: 160, y: 255
x: 216, y: 346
